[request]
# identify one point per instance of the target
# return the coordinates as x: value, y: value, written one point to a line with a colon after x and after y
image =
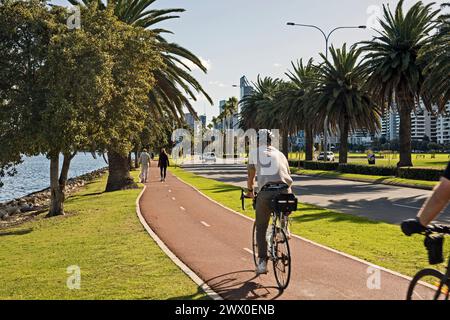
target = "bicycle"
x: 278, y: 250
x: 434, y: 239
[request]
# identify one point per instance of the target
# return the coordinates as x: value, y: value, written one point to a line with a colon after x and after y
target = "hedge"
x: 320, y: 165
x: 427, y: 174
x: 366, y: 169
x: 296, y: 163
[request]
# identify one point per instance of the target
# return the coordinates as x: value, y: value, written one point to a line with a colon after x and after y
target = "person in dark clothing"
x: 163, y: 163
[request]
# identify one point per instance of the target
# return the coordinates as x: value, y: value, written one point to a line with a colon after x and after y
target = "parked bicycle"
x: 277, y: 236
x: 434, y: 241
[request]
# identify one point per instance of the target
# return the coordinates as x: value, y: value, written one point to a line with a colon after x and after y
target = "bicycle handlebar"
x: 438, y: 228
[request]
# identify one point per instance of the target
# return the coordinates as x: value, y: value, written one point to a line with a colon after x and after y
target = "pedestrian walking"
x: 144, y: 160
x: 163, y: 163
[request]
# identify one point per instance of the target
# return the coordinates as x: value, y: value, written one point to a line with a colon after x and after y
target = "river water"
x: 34, y: 174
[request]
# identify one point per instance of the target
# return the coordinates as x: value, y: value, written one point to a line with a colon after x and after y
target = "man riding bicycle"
x: 432, y: 207
x: 272, y: 169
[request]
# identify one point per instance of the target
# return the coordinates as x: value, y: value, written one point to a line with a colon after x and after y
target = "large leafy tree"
x: 70, y: 90
x: 299, y: 115
x: 341, y: 95
x: 396, y: 74
x: 174, y: 85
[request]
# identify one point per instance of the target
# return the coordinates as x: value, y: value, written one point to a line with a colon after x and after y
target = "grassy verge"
x: 376, y: 242
x: 437, y: 161
x: 428, y: 185
x: 103, y: 236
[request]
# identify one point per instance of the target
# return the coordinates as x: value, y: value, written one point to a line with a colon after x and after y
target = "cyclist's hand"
x: 412, y: 226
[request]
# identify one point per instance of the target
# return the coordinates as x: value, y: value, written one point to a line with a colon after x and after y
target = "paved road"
x: 375, y: 201
x: 214, y: 242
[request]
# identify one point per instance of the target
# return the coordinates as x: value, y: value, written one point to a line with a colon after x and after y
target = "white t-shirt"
x: 145, y: 159
x: 271, y: 166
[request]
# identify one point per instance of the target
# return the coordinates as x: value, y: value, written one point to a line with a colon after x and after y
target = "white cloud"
x: 218, y: 84
x: 206, y: 63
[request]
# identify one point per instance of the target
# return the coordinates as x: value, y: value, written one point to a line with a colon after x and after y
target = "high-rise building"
x: 190, y: 121
x: 390, y: 124
x: 423, y: 124
x: 443, y: 127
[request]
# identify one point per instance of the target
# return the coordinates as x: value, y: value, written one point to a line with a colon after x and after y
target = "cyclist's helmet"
x: 265, y: 135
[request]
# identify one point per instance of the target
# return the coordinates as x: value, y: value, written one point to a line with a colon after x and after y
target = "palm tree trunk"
x: 405, y: 138
x: 119, y: 177
x: 309, y: 143
x: 285, y: 142
x: 343, y: 148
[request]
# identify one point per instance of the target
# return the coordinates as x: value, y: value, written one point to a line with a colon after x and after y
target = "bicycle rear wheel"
x: 416, y: 291
x: 255, y: 246
x: 282, y: 259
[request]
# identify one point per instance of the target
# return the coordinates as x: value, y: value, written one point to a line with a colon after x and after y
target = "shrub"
x: 320, y: 165
x: 366, y: 169
x: 427, y: 174
x: 296, y: 163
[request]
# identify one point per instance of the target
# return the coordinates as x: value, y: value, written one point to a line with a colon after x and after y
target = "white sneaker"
x: 262, y: 267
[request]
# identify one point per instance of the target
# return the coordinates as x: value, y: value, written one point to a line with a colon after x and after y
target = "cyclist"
x: 272, y: 170
x: 432, y: 207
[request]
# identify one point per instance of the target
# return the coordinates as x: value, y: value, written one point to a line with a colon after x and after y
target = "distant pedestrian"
x: 144, y: 160
x: 163, y: 163
x: 152, y: 155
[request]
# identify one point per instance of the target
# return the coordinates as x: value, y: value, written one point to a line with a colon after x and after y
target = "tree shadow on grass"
x: 16, y: 232
x: 330, y: 216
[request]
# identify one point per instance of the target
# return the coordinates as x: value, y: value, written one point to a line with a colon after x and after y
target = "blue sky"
x: 250, y: 37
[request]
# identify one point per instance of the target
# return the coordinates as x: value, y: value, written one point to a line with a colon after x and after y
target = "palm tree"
x: 265, y: 91
x: 229, y: 109
x: 436, y: 56
x: 396, y: 76
x: 174, y: 84
x: 340, y: 94
x: 298, y: 116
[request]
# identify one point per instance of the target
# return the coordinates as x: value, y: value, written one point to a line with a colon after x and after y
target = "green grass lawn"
x: 368, y: 178
x: 376, y: 242
x: 440, y: 161
x: 103, y: 236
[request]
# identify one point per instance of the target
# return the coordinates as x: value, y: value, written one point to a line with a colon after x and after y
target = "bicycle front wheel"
x: 417, y: 291
x: 282, y: 259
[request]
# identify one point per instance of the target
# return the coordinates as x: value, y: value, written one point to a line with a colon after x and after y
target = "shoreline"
x: 22, y: 209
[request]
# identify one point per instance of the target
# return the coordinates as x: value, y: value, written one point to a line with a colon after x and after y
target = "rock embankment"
x: 22, y: 209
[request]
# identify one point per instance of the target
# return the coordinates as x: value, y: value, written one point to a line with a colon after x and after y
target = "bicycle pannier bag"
x: 284, y: 202
x: 434, y: 245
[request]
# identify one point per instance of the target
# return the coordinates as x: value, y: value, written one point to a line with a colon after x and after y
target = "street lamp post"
x: 327, y: 39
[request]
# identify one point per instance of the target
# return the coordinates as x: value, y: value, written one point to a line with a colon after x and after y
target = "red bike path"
x: 215, y: 243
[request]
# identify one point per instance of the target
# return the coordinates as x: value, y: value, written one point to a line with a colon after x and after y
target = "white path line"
x: 170, y: 190
x: 205, y: 224
x: 182, y: 208
x: 173, y: 198
x: 405, y: 206
x: 248, y: 250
